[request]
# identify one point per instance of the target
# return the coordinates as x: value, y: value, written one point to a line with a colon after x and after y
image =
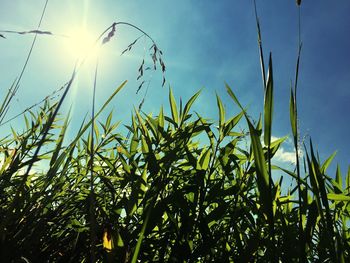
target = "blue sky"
x: 205, y: 43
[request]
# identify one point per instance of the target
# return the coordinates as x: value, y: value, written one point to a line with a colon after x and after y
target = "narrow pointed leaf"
x: 338, y: 177
x: 268, y: 105
x: 233, y: 96
x: 203, y: 161
x: 189, y: 104
x: 261, y: 170
x: 173, y: 106
x: 161, y: 118
x: 293, y: 116
x: 338, y: 197
x: 328, y: 162
x: 141, y: 236
x: 231, y: 123
x: 221, y: 111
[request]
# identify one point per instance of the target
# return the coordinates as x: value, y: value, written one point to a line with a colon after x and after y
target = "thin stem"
x: 46, y: 129
x: 78, y: 64
x: 299, y: 25
x: 139, y: 29
x: 263, y: 73
x: 52, y: 118
x: 16, y: 87
x: 296, y: 138
x: 48, y: 97
x: 301, y: 232
x: 272, y: 224
x: 98, y: 39
x: 92, y: 190
x: 261, y: 53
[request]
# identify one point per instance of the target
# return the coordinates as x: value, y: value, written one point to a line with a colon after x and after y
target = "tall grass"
x: 161, y: 195
x: 156, y: 194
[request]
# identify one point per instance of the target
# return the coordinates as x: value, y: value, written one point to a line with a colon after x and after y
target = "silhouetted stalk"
x: 296, y: 142
x: 92, y: 191
x: 77, y: 66
x: 79, y: 63
x: 263, y: 73
x: 93, y: 234
x: 272, y: 223
x: 261, y: 53
x: 46, y: 129
x: 48, y: 125
x: 51, y: 96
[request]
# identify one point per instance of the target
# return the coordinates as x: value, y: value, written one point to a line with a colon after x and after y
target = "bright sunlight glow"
x: 81, y: 43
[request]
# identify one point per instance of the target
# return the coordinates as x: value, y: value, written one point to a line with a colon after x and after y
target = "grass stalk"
x: 93, y: 235
x: 296, y: 135
x: 268, y: 112
x: 261, y: 53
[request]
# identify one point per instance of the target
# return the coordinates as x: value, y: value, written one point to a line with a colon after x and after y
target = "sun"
x: 82, y: 44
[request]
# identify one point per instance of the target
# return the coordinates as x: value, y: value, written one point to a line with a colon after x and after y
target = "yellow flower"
x: 107, y: 240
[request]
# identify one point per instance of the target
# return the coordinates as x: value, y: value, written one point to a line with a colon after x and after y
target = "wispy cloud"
x: 284, y: 155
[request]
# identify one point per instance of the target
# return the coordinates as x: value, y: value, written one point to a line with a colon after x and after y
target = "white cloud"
x: 285, y: 156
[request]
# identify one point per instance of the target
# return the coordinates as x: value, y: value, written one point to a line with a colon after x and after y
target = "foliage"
x: 160, y: 194
x: 163, y: 195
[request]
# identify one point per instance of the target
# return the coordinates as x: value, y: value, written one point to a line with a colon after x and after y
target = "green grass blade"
x: 87, y: 125
x: 338, y: 197
x: 328, y: 162
x: 141, y: 236
x: 60, y: 139
x: 233, y: 96
x: 292, y: 112
x: 6, y: 101
x: 161, y: 118
x: 268, y: 105
x: 221, y: 111
x: 323, y: 192
x: 203, y: 161
x: 260, y: 163
x: 293, y: 175
x: 173, y: 106
x: 261, y: 53
x: 261, y: 170
x: 338, y: 177
x: 311, y: 222
x: 348, y: 181
x: 319, y: 176
x: 189, y: 105
x: 231, y: 123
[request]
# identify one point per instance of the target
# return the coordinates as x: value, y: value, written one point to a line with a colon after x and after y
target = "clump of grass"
x: 161, y: 195
x: 156, y: 194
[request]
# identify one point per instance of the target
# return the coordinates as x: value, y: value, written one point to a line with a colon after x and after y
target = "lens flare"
x: 82, y: 43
